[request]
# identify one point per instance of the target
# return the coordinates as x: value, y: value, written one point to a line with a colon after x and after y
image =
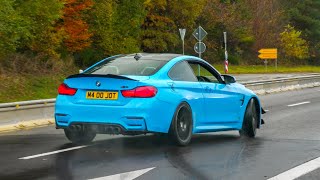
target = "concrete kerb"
x: 26, y: 125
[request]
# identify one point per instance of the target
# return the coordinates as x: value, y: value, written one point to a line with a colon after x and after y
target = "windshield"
x: 127, y: 66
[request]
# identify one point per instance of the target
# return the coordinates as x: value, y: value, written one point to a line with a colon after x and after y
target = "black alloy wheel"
x: 250, y: 122
x: 182, y: 125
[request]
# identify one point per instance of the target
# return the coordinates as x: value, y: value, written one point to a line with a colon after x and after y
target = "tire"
x: 80, y: 135
x: 250, y: 121
x: 182, y: 125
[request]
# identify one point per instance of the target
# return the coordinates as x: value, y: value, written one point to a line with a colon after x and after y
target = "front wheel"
x: 181, y: 126
x: 250, y: 121
x: 80, y: 134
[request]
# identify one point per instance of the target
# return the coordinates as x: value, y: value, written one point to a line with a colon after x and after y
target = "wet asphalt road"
x: 290, y: 137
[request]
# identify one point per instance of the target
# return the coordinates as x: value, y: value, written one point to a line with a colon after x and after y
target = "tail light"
x: 140, y: 92
x: 66, y: 90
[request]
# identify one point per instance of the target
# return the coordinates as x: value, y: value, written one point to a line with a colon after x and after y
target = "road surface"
x: 290, y: 138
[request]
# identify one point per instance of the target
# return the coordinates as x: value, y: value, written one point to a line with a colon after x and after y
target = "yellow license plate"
x: 103, y: 95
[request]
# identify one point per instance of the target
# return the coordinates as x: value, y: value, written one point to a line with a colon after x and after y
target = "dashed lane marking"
x: 298, y: 104
x: 298, y: 171
x: 53, y: 152
x: 125, y: 176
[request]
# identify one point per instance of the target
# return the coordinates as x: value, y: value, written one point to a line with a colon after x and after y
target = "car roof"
x: 154, y: 56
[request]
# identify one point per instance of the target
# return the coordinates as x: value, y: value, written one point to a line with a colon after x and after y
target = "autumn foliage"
x: 76, y: 29
x: 89, y: 30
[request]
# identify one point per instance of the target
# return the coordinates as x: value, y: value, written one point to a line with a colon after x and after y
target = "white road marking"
x: 298, y: 171
x: 53, y: 152
x: 125, y: 176
x: 297, y: 104
x: 266, y: 110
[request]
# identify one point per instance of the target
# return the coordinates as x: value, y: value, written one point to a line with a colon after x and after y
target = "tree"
x: 28, y: 25
x: 267, y: 22
x: 116, y: 25
x: 233, y: 17
x: 164, y: 17
x: 305, y: 17
x: 40, y: 17
x: 293, y: 45
x: 76, y: 29
x: 157, y: 28
x: 12, y: 28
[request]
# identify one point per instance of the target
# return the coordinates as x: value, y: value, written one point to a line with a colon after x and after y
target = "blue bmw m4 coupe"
x: 154, y: 93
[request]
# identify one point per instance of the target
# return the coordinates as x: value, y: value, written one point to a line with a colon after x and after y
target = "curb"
x: 26, y: 125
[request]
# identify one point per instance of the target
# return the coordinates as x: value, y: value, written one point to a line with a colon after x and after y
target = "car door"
x: 222, y: 101
x: 186, y: 86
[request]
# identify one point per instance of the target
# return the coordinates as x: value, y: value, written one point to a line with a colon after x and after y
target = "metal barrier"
x: 281, y: 82
x: 27, y: 104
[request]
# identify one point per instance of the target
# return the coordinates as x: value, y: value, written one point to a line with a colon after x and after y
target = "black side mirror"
x: 228, y: 79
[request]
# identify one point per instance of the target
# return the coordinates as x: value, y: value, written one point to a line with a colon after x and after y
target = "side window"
x: 202, y: 73
x: 182, y: 72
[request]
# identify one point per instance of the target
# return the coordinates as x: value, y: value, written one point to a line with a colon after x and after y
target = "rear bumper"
x: 139, y: 115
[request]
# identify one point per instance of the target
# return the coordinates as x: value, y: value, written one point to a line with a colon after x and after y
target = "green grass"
x: 25, y: 88
x: 270, y: 69
x: 30, y: 87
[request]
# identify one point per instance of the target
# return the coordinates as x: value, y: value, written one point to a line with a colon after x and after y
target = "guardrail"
x: 4, y: 107
x: 281, y: 82
x: 253, y: 85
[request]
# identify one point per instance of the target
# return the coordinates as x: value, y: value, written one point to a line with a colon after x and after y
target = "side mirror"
x: 80, y: 71
x: 228, y: 79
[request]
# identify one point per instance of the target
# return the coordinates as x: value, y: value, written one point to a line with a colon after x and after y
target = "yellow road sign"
x: 271, y: 53
x: 268, y: 51
x: 268, y: 56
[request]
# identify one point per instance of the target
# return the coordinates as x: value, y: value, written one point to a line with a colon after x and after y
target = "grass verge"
x: 23, y: 88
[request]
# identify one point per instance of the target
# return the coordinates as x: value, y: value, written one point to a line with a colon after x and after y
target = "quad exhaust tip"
x: 105, y: 129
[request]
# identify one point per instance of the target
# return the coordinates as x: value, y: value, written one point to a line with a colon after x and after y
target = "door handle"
x: 207, y: 88
x: 171, y: 84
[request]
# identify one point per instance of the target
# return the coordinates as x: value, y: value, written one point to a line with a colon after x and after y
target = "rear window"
x: 128, y: 66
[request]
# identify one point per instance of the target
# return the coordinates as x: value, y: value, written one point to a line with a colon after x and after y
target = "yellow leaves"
x: 293, y: 44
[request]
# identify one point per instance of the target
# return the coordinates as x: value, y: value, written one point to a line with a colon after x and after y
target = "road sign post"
x: 199, y: 34
x: 226, y: 62
x: 266, y: 65
x: 182, y: 35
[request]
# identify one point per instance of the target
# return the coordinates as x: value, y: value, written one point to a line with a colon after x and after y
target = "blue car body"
x: 215, y: 106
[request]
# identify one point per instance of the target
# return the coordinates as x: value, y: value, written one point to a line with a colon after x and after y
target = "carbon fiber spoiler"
x: 100, y: 75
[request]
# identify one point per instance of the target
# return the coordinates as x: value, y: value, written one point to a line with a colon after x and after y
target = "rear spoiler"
x: 100, y: 75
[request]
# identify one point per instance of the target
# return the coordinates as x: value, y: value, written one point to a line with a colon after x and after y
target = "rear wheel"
x: 250, y: 121
x: 80, y: 134
x: 181, y: 126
